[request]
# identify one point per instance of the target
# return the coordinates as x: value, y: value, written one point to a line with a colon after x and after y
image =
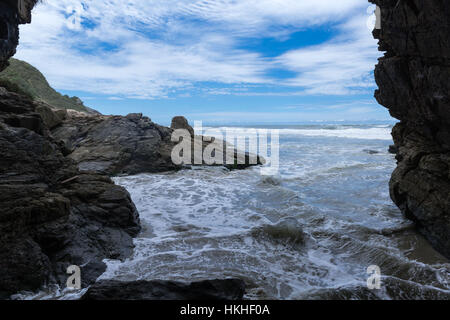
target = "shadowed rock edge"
x: 413, y: 80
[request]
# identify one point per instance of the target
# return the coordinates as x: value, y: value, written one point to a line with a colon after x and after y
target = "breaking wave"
x: 371, y: 133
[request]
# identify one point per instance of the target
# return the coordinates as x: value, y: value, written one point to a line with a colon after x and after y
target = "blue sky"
x: 218, y: 61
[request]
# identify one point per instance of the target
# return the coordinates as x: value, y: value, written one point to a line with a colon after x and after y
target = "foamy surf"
x: 372, y: 133
x: 309, y: 232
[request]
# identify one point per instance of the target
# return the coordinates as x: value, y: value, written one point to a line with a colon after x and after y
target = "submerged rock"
x: 229, y: 289
x: 287, y: 231
x: 369, y: 151
x: 413, y: 80
x: 51, y: 214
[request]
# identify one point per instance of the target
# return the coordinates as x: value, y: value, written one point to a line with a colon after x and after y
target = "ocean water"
x: 309, y: 232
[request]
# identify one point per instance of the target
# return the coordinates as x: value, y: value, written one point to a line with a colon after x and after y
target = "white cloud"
x: 340, y: 66
x: 151, y: 48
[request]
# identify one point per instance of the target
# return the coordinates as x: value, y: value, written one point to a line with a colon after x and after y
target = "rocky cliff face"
x: 51, y: 214
x: 12, y: 13
x: 413, y: 79
x: 116, y: 144
x: 9, y: 34
x: 23, y: 9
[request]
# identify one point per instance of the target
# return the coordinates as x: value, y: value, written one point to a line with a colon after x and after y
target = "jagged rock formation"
x: 413, y: 79
x: 115, y: 144
x: 125, y: 145
x: 228, y: 289
x: 12, y: 13
x: 51, y: 214
x: 23, y: 9
x: 181, y: 122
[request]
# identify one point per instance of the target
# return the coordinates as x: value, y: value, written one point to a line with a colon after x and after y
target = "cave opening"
x: 4, y: 30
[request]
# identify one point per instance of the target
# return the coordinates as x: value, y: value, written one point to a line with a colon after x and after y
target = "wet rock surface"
x: 413, y: 79
x: 229, y: 289
x: 51, y: 214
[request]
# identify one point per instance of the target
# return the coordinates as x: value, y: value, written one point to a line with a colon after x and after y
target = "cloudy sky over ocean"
x: 210, y: 60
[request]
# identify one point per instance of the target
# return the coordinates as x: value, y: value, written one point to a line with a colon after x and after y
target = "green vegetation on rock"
x: 23, y: 78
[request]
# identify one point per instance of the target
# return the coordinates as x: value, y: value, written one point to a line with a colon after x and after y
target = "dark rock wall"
x: 12, y: 13
x: 9, y: 33
x: 413, y: 80
x: 22, y: 8
x: 52, y: 215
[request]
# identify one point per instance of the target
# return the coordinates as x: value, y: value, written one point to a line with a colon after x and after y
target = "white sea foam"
x: 199, y: 225
x: 373, y: 133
